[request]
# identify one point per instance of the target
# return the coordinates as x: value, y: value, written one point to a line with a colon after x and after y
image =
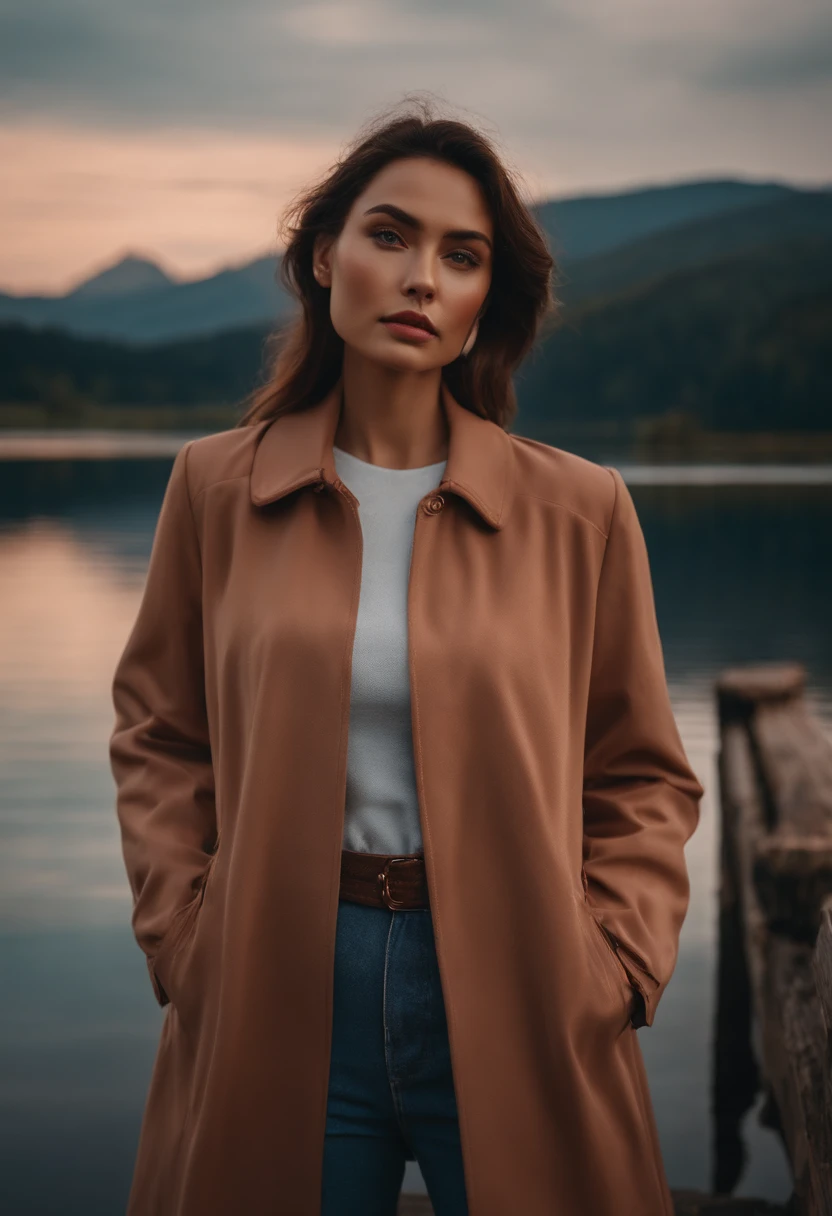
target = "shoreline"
x: 162, y: 429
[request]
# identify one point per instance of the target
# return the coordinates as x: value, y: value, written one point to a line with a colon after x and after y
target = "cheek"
x: 359, y: 287
x: 462, y: 299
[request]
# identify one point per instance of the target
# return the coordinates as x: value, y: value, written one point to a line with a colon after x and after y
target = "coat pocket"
x: 612, y: 968
x: 171, y: 954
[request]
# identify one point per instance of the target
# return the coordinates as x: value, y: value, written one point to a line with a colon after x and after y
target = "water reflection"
x: 741, y: 573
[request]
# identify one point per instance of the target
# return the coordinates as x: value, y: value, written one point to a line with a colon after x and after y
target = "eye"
x: 469, y: 257
x: 379, y: 232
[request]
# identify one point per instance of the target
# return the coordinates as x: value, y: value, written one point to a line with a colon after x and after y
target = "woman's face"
x: 417, y: 239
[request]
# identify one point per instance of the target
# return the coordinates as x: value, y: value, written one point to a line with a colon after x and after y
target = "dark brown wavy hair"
x: 305, y: 356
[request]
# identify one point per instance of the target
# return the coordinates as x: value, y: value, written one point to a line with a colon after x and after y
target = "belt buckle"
x: 384, y: 879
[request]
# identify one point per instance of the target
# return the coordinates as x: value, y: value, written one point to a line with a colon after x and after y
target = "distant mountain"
x: 135, y: 301
x: 592, y: 224
x: 741, y: 342
x: 720, y: 313
x: 125, y: 277
x: 244, y: 295
x: 696, y: 243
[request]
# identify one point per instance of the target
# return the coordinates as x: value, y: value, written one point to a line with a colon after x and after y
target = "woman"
x: 402, y: 799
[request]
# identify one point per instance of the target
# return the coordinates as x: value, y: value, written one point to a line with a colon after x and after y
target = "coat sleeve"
x: 160, y: 751
x: 640, y: 796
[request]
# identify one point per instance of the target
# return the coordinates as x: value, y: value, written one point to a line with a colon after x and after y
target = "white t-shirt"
x: 382, y: 809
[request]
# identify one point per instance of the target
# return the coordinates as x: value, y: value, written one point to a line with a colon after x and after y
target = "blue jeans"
x: 391, y: 1094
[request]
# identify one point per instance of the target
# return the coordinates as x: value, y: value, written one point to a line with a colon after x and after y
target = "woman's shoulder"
x: 561, y: 478
x: 221, y: 456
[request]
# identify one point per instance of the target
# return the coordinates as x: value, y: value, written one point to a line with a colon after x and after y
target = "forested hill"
x: 136, y: 300
x: 726, y: 319
x: 741, y: 344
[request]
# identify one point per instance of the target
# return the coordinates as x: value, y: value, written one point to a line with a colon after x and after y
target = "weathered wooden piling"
x: 774, y: 1015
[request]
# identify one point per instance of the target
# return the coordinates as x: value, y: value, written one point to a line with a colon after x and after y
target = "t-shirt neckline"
x: 383, y: 468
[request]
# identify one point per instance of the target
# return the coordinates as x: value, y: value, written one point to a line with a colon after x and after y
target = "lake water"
x: 742, y: 572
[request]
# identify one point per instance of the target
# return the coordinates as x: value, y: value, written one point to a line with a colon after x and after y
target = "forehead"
x: 440, y: 195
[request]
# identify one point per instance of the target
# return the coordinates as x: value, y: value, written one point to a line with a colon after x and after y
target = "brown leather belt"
x: 384, y: 880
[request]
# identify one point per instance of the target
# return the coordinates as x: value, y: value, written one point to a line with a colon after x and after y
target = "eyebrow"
x: 458, y: 234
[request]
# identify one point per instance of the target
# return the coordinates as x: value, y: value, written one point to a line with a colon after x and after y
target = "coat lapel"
x: 295, y: 450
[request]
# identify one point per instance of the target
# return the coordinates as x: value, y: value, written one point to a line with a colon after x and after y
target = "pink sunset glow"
x: 180, y: 134
x: 192, y: 200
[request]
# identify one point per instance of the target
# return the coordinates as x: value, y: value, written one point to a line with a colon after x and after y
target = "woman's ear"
x: 321, y: 268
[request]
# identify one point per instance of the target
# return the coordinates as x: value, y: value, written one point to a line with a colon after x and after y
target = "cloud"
x: 804, y: 58
x: 307, y: 65
x: 186, y: 124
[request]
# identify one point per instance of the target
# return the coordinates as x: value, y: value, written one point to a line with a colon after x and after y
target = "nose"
x: 419, y: 280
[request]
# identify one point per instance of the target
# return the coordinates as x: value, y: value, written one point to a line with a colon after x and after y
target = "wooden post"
x: 776, y: 787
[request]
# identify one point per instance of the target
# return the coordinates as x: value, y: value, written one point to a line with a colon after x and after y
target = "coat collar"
x: 295, y: 450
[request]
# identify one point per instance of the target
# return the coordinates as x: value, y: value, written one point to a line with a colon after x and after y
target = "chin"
x: 398, y: 355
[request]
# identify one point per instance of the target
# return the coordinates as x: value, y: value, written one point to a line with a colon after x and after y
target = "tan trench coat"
x: 555, y: 797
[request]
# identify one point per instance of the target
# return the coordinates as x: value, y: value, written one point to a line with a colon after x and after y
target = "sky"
x: 180, y: 129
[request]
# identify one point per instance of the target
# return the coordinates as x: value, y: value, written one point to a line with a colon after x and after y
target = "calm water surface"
x: 742, y: 572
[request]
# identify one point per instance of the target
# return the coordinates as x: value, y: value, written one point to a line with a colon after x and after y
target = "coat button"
x: 434, y: 504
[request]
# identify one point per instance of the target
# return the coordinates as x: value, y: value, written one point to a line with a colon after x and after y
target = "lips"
x: 417, y: 319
